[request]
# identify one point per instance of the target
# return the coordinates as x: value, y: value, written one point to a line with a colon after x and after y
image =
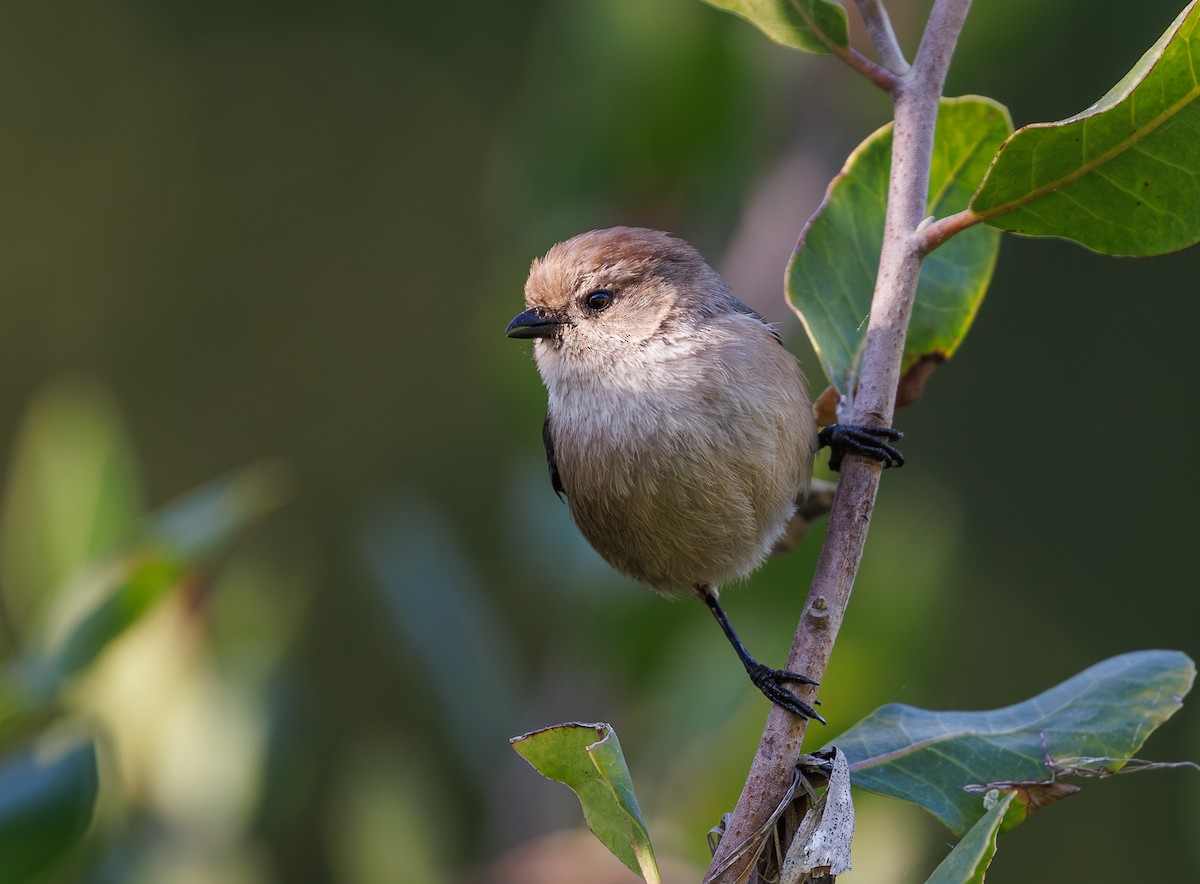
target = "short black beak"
x: 533, y: 324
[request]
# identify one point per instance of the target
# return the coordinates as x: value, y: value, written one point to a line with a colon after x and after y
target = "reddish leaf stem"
x: 880, y: 76
x: 937, y: 232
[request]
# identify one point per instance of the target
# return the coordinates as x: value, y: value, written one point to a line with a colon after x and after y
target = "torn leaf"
x: 822, y: 843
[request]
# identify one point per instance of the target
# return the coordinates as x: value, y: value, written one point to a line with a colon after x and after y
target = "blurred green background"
x: 233, y: 231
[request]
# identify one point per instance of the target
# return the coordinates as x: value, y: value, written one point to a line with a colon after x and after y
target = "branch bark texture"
x: 916, y: 95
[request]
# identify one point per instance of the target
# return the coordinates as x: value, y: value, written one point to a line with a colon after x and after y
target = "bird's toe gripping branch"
x: 771, y: 682
x: 872, y: 442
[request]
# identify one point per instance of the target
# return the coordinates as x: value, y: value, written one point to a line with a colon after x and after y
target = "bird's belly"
x: 674, y: 516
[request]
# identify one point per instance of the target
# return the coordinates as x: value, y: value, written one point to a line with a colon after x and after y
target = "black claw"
x: 770, y: 682
x: 872, y: 442
x: 784, y: 675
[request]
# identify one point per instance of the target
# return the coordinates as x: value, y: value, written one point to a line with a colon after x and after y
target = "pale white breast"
x: 682, y: 459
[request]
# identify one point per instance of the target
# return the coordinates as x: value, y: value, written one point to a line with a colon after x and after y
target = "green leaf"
x: 588, y: 759
x: 206, y: 520
x: 928, y: 758
x: 831, y: 276
x: 47, y: 798
x: 970, y: 858
x: 1123, y: 176
x: 109, y: 598
x: 137, y: 585
x: 73, y: 492
x: 807, y: 25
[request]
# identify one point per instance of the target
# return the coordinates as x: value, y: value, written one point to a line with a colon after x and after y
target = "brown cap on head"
x: 633, y: 276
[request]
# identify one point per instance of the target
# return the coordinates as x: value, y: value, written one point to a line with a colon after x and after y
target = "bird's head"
x: 609, y: 292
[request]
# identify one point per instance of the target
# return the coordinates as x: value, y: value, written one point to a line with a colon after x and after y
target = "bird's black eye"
x: 598, y: 301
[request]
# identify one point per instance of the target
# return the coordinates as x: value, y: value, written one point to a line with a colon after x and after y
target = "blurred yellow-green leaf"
x: 108, y: 598
x: 73, y: 492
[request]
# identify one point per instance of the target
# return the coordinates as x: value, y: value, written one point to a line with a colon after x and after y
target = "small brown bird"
x: 679, y: 427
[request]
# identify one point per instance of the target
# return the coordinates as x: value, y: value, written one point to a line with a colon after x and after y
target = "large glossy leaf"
x: 929, y: 758
x: 1123, y: 176
x: 831, y: 276
x: 808, y: 25
x: 47, y: 797
x: 588, y: 759
x: 970, y: 858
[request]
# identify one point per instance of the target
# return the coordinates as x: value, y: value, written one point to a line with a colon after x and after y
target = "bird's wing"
x: 551, y: 462
x: 742, y: 308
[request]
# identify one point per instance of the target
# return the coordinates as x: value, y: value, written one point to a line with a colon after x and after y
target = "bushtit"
x: 679, y: 427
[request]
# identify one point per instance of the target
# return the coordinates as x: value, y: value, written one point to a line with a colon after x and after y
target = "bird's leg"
x: 872, y: 442
x: 770, y: 681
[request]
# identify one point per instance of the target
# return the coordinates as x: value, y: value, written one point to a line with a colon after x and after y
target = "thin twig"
x: 879, y: 28
x: 880, y: 76
x: 916, y: 97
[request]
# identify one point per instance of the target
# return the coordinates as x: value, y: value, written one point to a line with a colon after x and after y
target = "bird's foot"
x: 771, y: 682
x: 872, y: 442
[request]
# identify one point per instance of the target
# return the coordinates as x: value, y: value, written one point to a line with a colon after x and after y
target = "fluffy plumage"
x: 678, y: 426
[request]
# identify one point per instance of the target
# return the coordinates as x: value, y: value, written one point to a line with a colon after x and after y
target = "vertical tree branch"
x: 916, y: 98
